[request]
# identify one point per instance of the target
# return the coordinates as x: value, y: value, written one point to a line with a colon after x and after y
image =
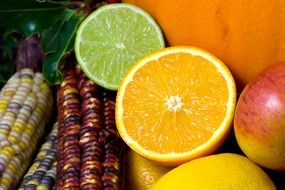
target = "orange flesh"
x: 197, y: 103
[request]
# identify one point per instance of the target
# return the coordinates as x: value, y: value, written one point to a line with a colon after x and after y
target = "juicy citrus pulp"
x: 112, y: 38
x: 217, y: 172
x: 175, y: 105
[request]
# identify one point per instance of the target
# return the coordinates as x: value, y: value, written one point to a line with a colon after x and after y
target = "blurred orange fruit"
x: 141, y: 173
x: 175, y: 105
x: 246, y: 35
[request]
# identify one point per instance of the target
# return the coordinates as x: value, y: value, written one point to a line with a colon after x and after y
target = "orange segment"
x: 175, y: 105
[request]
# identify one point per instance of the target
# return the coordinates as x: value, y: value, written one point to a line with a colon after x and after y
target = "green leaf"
x: 6, y: 71
x: 57, y: 42
x: 55, y: 23
x: 29, y: 16
x: 8, y: 46
x: 28, y: 4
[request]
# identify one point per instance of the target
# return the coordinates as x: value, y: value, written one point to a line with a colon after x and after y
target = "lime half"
x: 112, y: 38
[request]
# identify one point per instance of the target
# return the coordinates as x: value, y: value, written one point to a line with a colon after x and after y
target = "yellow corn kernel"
x: 12, y: 168
x: 30, y: 130
x: 8, y: 151
x: 5, y: 181
x: 4, y: 102
x: 45, y: 88
x: 39, y: 110
x: 69, y: 91
x: 33, y: 182
x: 11, y: 114
x: 17, y: 127
x: 4, y: 132
x: 9, y: 92
x: 12, y: 139
x: 22, y: 145
x: 42, y: 154
x: 42, y: 187
x: 27, y: 80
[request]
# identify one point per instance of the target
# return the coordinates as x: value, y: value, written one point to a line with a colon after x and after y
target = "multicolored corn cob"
x: 42, y: 173
x: 89, y: 145
x: 25, y: 109
x: 69, y: 118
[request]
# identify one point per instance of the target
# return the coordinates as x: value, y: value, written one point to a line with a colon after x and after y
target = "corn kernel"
x: 33, y: 182
x: 12, y: 168
x: 4, y: 131
x: 27, y: 80
x: 17, y: 128
x: 42, y: 187
x: 8, y: 151
x: 13, y: 139
x: 5, y: 181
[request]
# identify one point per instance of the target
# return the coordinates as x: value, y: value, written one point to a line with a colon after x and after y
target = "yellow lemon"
x: 217, y: 172
x: 141, y: 172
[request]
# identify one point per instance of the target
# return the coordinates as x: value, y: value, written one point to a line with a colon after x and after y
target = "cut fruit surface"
x: 112, y: 38
x: 175, y: 105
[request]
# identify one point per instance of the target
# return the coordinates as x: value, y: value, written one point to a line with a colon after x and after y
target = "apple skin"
x: 259, y: 121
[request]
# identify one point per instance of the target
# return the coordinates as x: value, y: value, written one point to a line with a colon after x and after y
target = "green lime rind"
x: 113, y: 38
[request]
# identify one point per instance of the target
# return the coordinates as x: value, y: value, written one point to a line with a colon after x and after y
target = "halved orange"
x: 175, y: 105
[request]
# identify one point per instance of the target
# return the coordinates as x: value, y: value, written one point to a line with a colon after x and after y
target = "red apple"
x: 259, y: 122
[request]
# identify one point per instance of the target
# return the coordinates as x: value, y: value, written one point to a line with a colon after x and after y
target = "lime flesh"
x: 112, y: 38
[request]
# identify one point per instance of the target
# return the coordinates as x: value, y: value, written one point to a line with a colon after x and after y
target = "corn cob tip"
x: 29, y: 54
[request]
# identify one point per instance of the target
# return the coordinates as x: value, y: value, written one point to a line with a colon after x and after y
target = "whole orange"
x: 246, y: 35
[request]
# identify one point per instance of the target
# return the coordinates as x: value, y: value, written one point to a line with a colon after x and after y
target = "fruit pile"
x: 149, y: 101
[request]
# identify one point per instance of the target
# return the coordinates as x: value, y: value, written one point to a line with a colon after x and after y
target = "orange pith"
x: 175, y: 104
